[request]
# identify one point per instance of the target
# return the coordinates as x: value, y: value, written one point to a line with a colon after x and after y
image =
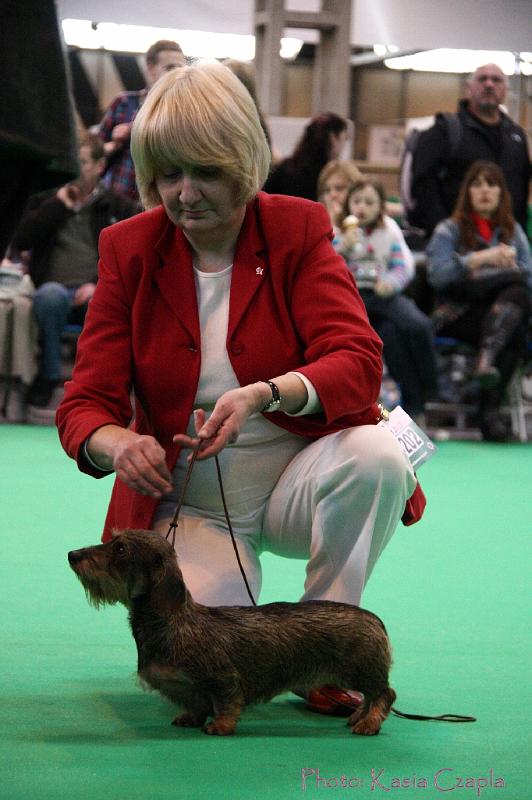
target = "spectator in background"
x: 382, y: 265
x: 38, y: 145
x: 334, y: 182
x: 479, y: 264
x: 61, y: 229
x: 486, y: 133
x: 323, y: 140
x: 115, y: 127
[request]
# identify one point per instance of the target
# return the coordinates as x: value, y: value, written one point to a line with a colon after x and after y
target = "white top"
x: 252, y: 465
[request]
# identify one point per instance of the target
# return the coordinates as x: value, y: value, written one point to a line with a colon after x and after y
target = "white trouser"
x: 337, y: 504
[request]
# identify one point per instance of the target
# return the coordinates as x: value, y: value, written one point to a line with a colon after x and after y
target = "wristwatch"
x: 275, y: 403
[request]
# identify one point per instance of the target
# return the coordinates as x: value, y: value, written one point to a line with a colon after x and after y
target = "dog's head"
x: 133, y: 563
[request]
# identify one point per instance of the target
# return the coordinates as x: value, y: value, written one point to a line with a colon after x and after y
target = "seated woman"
x: 240, y: 331
x: 378, y: 256
x: 479, y: 264
x: 334, y: 182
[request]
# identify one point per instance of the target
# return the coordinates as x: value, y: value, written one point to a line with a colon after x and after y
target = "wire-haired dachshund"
x: 215, y: 661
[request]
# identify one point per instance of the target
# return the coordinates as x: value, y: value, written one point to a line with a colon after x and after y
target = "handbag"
x: 485, y: 282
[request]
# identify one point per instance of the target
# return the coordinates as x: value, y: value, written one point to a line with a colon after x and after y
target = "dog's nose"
x: 74, y: 556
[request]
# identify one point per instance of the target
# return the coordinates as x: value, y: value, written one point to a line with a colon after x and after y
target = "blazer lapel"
x: 175, y: 278
x: 250, y: 267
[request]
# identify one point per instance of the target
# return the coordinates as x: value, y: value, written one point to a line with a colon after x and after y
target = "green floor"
x: 453, y: 592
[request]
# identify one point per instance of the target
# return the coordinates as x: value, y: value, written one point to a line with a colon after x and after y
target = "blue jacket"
x: 448, y: 262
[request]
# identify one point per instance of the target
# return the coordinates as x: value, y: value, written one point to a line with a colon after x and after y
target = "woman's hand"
x: 229, y: 415
x: 139, y: 461
x: 501, y: 255
x: 334, y: 208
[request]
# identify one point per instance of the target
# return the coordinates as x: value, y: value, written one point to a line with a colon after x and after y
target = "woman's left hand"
x: 223, y: 427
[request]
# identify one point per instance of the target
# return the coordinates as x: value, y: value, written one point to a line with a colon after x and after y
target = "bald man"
x: 484, y: 132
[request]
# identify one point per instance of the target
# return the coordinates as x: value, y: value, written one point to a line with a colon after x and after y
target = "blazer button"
x: 237, y: 348
x: 192, y: 348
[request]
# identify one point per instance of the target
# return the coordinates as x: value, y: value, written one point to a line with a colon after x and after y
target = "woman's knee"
x: 376, y: 457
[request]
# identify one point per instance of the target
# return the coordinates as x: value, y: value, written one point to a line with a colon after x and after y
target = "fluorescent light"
x: 290, y: 47
x: 526, y: 63
x: 138, y: 38
x: 384, y: 49
x: 80, y: 33
x: 447, y: 60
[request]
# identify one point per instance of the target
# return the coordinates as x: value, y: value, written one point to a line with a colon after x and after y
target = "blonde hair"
x: 347, y: 169
x: 199, y: 114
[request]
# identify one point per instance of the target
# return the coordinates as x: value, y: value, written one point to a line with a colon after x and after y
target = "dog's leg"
x: 367, y: 720
x: 226, y: 716
x: 228, y: 702
x: 193, y: 716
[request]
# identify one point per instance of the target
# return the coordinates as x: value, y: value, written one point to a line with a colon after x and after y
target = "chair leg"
x: 517, y: 407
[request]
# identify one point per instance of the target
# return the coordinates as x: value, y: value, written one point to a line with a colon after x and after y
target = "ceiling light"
x: 447, y: 60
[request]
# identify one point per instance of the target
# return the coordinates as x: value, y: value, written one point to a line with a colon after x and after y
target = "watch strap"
x: 276, y: 399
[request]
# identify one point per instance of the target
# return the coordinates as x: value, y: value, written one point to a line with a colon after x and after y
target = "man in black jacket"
x: 486, y: 133
x: 61, y: 230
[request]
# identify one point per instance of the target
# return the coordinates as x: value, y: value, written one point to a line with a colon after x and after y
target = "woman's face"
x: 365, y: 204
x: 484, y: 195
x: 199, y: 200
x: 338, y: 141
x: 335, y: 190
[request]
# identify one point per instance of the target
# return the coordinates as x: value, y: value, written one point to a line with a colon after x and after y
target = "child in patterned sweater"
x: 380, y: 261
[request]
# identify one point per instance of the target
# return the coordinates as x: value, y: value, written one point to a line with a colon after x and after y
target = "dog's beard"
x: 103, y: 590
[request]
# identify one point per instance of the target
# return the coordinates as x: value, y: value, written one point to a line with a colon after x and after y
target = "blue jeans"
x: 53, y: 307
x: 408, y: 346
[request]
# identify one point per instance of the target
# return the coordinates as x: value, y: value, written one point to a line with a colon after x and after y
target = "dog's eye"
x: 121, y: 549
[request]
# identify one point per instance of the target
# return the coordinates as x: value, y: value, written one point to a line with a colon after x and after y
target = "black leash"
x: 174, y: 523
x: 418, y: 717
x: 349, y: 706
x: 440, y: 718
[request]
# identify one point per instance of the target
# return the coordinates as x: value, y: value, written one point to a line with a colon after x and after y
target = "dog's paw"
x: 366, y: 727
x: 220, y: 727
x: 188, y: 720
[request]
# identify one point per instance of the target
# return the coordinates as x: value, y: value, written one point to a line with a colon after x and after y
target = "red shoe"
x: 334, y: 701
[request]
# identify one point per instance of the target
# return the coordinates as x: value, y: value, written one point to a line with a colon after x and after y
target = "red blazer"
x: 293, y: 305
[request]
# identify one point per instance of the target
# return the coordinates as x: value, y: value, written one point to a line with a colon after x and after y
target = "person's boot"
x: 500, y: 326
x: 494, y: 426
x: 41, y: 391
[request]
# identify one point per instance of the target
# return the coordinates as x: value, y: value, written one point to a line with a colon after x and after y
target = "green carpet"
x: 453, y: 594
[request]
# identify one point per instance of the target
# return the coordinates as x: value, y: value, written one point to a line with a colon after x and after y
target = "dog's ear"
x: 169, y: 587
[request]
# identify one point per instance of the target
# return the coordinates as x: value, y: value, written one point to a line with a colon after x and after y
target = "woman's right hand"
x: 139, y: 461
x: 501, y: 255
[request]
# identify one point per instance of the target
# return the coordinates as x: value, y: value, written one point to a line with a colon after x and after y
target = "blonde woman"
x: 238, y: 327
